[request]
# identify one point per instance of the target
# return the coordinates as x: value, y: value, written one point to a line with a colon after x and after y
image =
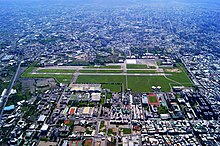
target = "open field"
x: 108, y: 81
x: 56, y: 71
x: 101, y: 79
x: 179, y: 74
x: 59, y: 78
x: 136, y: 83
x: 136, y: 66
x: 101, y: 71
x: 144, y: 83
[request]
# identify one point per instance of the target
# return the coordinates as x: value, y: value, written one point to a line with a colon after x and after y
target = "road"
x: 5, y: 98
x: 75, y: 76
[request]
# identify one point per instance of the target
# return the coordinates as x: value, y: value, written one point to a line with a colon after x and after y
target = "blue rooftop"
x: 8, y: 108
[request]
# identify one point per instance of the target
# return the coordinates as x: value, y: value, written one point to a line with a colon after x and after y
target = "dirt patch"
x: 176, y: 70
x: 79, y: 129
x: 88, y: 142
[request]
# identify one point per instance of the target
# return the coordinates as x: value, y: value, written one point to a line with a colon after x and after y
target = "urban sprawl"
x: 101, y: 75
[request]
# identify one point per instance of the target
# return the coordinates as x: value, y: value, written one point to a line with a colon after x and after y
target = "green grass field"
x: 126, y: 131
x: 109, y: 80
x: 136, y: 66
x: 136, y: 83
x: 152, y: 99
x: 145, y: 83
x: 180, y: 77
x: 100, y: 71
x: 58, y: 78
x: 56, y: 71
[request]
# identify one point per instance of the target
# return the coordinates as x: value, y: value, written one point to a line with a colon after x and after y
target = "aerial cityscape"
x: 109, y: 72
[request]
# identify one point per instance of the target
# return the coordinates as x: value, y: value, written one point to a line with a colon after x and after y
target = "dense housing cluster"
x: 109, y: 73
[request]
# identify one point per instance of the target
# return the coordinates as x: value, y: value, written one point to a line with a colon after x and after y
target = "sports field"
x: 152, y: 98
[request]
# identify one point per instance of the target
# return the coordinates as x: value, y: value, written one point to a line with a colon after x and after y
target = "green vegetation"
x: 145, y: 83
x: 110, y: 82
x: 179, y: 74
x: 152, y: 98
x: 102, y: 101
x: 109, y: 96
x: 31, y: 113
x: 56, y: 71
x: 162, y: 110
x: 181, y: 77
x: 70, y: 124
x: 102, y: 127
x: 141, y: 71
x: 110, y: 132
x: 3, y: 85
x: 44, y: 139
x: 102, y: 124
x: 152, y: 67
x: 27, y: 72
x: 177, y: 96
x: 112, y: 87
x: 88, y: 131
x: 101, y: 79
x: 8, y: 72
x: 100, y: 71
x: 19, y: 96
x: 82, y: 103
x: 136, y: 83
x: 136, y: 66
x: 126, y: 131
x: 59, y: 78
x: 109, y: 66
x: 158, y: 63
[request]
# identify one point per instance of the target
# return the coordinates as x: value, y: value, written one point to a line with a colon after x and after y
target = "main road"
x: 5, y: 98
